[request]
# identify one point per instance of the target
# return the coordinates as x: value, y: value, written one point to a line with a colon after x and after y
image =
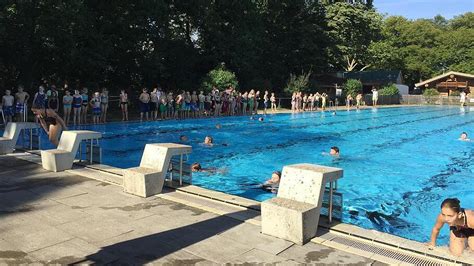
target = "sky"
x: 414, y: 9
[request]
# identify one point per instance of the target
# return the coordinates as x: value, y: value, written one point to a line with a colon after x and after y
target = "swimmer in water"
x: 272, y: 183
x: 183, y: 138
x: 196, y: 167
x: 209, y: 141
x: 260, y: 119
x: 464, y: 137
x: 334, y: 151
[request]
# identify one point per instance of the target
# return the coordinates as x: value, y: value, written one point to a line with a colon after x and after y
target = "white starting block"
x: 62, y: 158
x: 148, y: 179
x: 294, y: 214
x: 11, y: 134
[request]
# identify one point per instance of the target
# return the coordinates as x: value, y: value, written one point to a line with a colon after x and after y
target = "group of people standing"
x: 156, y: 104
x: 311, y: 102
x: 77, y: 104
x: 161, y: 105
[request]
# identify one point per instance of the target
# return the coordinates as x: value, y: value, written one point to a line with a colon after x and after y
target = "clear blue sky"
x: 413, y: 9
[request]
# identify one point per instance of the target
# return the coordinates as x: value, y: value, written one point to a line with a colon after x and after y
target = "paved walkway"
x: 61, y: 218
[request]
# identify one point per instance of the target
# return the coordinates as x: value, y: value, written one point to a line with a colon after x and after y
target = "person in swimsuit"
x: 21, y: 98
x: 85, y: 103
x: 51, y: 122
x: 76, y: 105
x: 461, y: 225
x: 7, y: 105
x: 143, y: 102
x: 334, y: 151
x: 196, y: 167
x: 104, y: 104
x: 273, y: 183
x: 67, y: 105
x: 464, y: 137
x: 53, y: 98
x: 273, y: 101
x: 96, y: 108
x: 39, y: 101
x: 208, y: 141
x: 124, y: 104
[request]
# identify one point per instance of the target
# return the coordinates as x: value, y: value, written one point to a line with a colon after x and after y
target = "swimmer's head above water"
x: 334, y: 151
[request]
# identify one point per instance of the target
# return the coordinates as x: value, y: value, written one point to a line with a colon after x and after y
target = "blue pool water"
x: 399, y: 163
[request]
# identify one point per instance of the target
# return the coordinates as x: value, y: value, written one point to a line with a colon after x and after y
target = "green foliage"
x: 390, y: 90
x: 352, y: 28
x: 455, y: 93
x: 430, y: 92
x: 298, y: 83
x: 176, y: 43
x: 221, y: 78
x: 423, y: 48
x: 353, y: 87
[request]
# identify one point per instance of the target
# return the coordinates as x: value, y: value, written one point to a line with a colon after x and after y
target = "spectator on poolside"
x: 96, y: 110
x: 358, y: 100
x: 53, y: 98
x: 85, y: 105
x: 464, y: 137
x: 67, y: 106
x: 39, y: 100
x: 144, y: 100
x: 461, y: 225
x: 375, y: 96
x: 462, y: 98
x: 76, y: 106
x: 21, y: 98
x: 124, y: 104
x: 7, y: 105
x: 104, y: 104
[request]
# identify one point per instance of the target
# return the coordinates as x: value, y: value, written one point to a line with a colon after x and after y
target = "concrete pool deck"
x: 67, y: 218
x: 64, y: 218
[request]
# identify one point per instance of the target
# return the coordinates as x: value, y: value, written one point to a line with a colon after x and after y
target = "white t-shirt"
x: 375, y: 95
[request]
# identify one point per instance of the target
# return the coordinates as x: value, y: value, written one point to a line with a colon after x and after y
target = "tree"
x: 389, y: 90
x: 298, y: 83
x: 352, y: 28
x: 353, y: 87
x: 221, y: 78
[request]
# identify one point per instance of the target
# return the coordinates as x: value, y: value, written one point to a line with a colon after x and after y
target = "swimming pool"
x: 399, y: 163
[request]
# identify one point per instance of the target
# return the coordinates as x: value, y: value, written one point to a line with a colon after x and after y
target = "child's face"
x: 7, y: 92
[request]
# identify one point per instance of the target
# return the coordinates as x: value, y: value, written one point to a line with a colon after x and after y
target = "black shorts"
x: 144, y: 107
x: 152, y: 106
